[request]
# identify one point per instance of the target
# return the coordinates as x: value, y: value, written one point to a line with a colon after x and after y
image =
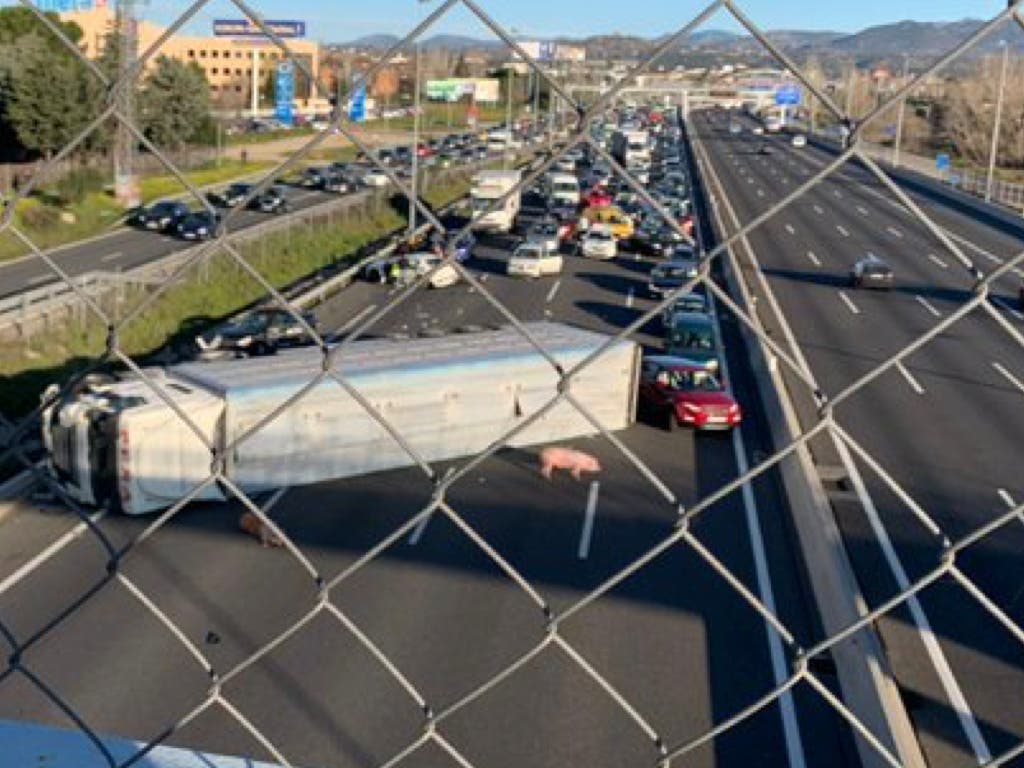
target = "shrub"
x: 74, y: 186
x: 39, y: 216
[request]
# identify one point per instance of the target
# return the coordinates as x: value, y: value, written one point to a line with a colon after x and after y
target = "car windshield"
x: 693, y: 338
x: 688, y: 380
x: 599, y: 235
x: 545, y: 230
x: 670, y: 272
x: 528, y: 253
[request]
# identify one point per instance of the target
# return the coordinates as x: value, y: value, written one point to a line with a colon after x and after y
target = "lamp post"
x: 899, y: 119
x: 415, y: 141
x: 995, y: 128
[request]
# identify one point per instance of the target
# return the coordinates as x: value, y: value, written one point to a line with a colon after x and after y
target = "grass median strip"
x: 207, y: 294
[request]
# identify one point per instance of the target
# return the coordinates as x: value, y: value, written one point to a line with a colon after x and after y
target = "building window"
x: 202, y: 54
x: 238, y: 54
x: 248, y: 71
x: 191, y: 53
x: 214, y: 71
x: 238, y: 72
x: 238, y: 89
x: 215, y: 54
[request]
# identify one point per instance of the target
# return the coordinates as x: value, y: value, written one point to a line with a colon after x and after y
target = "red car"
x: 598, y: 197
x: 424, y: 151
x: 686, y: 394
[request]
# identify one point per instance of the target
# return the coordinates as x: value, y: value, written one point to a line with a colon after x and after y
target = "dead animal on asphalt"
x: 255, y: 527
x: 577, y: 462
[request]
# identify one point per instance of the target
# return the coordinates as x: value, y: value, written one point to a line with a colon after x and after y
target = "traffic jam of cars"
x: 177, y: 218
x: 581, y: 210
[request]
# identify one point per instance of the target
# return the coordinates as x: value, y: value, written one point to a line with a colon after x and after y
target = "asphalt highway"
x: 946, y: 424
x: 675, y: 640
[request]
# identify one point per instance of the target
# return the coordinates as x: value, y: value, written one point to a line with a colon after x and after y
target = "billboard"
x: 284, y: 92
x: 449, y: 90
x: 788, y: 96
x: 357, y: 104
x: 248, y: 28
x: 69, y: 6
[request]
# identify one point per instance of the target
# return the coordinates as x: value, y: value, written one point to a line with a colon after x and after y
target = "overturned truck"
x: 119, y: 443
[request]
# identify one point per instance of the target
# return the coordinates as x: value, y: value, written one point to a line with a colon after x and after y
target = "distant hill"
x: 885, y: 41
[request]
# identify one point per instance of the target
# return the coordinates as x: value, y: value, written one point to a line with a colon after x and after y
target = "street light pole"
x: 415, y: 142
x: 995, y: 128
x: 508, y: 103
x: 899, y: 119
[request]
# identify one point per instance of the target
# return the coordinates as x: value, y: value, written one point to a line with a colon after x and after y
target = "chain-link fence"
x: 799, y: 675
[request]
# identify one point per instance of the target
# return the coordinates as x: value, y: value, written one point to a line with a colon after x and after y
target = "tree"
x: 174, y: 103
x: 461, y: 67
x: 46, y: 98
x: 969, y: 113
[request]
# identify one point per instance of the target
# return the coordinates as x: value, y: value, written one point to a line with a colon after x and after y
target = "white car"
x: 799, y: 140
x: 419, y: 264
x: 599, y: 243
x: 534, y: 260
x: 758, y: 130
x: 376, y: 179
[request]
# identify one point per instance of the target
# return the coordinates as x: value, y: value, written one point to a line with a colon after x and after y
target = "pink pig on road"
x: 577, y: 462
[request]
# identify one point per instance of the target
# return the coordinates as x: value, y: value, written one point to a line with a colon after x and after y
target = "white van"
x: 534, y: 260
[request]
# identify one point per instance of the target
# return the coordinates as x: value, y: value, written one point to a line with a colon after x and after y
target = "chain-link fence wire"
x: 801, y: 672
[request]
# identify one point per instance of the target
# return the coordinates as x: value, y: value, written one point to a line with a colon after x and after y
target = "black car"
x: 271, y: 200
x: 231, y: 196
x: 261, y: 332
x: 313, y: 177
x: 201, y: 225
x: 338, y: 183
x: 657, y: 238
x: 163, y: 216
x: 871, y: 272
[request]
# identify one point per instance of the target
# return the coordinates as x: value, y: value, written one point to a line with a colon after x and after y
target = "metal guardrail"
x: 24, y: 310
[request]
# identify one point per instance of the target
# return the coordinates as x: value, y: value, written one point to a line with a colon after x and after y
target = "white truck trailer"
x: 489, y: 186
x: 631, y: 149
x: 118, y: 443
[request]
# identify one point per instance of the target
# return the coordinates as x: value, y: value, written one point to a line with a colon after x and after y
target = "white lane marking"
x: 629, y: 298
x: 1007, y: 498
x: 814, y: 259
x: 40, y: 279
x: 842, y: 230
x: 958, y: 703
x: 111, y: 256
x: 353, y: 321
x: 927, y: 305
x: 750, y: 179
x: 1005, y: 305
x: 837, y: 193
x: 789, y: 228
x: 914, y: 385
x: 863, y: 211
x: 936, y: 260
x: 553, y: 291
x: 818, y: 209
x: 780, y: 670
x: 760, y: 193
x: 894, y: 232
x: 77, y: 532
x: 588, y: 521
x: 952, y: 689
x: 849, y: 303
x: 1009, y: 376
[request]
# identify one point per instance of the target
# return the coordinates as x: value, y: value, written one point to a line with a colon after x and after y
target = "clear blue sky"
x: 341, y: 20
